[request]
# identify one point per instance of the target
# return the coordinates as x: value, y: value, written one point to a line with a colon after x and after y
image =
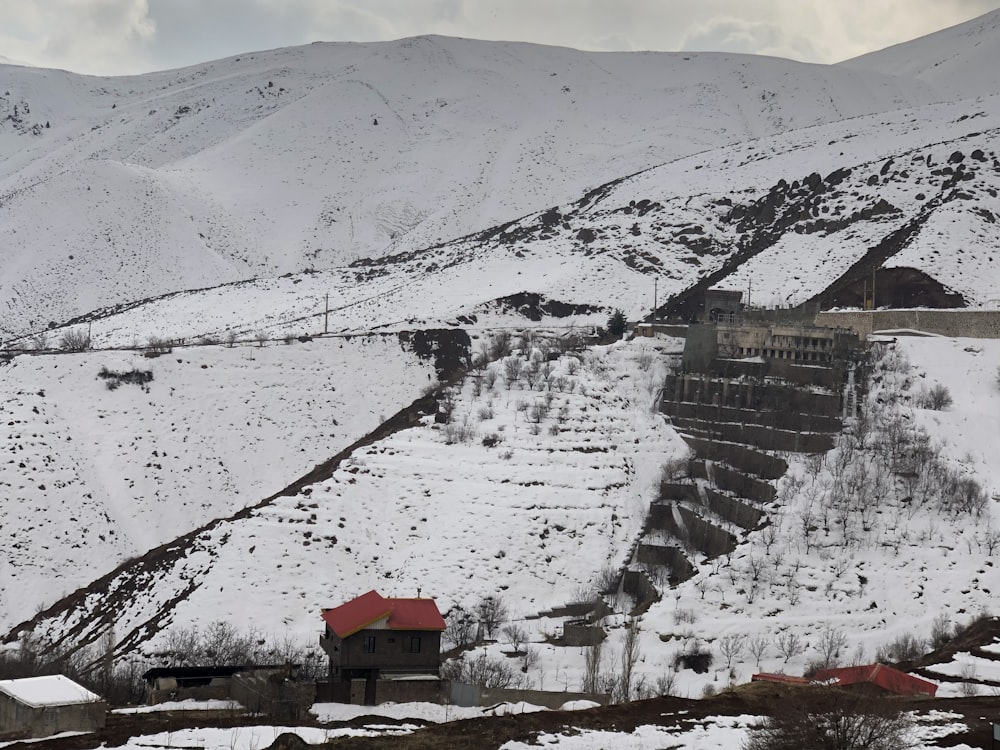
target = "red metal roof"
x: 884, y: 676
x: 403, y: 614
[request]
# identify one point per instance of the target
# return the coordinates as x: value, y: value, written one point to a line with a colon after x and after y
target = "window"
x: 411, y: 645
x: 369, y: 644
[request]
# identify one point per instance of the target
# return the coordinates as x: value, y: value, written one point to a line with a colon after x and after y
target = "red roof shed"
x: 400, y: 614
x: 881, y: 675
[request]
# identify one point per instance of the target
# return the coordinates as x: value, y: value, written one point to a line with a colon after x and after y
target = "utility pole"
x: 326, y: 314
x: 873, y: 287
x: 655, y: 280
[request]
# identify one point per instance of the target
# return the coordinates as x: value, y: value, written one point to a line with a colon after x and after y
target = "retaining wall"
x: 733, y: 510
x: 782, y: 420
x: 765, y: 438
x: 705, y: 537
x: 672, y: 558
x: 738, y: 456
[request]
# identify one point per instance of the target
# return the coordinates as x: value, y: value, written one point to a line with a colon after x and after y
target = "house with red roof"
x: 372, y: 637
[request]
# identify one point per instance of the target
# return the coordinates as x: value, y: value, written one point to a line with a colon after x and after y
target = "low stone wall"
x: 983, y: 324
x: 582, y: 634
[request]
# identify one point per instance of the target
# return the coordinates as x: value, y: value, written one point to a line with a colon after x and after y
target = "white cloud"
x: 94, y: 36
x: 103, y: 36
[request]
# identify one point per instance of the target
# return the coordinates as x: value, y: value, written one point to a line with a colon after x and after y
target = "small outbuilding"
x: 44, y: 706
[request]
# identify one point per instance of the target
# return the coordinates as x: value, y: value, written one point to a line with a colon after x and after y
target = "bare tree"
x: 512, y: 367
x: 757, y: 646
x: 732, y: 646
x: 460, y: 627
x: 831, y: 642
x: 843, y: 721
x: 516, y: 636
x: 491, y: 611
x: 789, y: 644
x: 630, y: 655
x: 75, y: 340
x: 592, y: 667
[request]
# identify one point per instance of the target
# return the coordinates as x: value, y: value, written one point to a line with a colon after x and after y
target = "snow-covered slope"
x: 532, y: 489
x: 528, y: 490
x: 101, y: 468
x: 113, y: 189
x: 793, y: 217
x: 962, y: 61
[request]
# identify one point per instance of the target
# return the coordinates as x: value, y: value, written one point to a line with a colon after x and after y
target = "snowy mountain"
x: 959, y: 62
x: 115, y: 189
x: 253, y: 470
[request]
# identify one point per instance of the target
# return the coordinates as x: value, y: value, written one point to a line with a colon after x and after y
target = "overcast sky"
x: 136, y: 36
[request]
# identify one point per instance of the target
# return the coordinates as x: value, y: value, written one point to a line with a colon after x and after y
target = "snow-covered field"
x: 93, y: 475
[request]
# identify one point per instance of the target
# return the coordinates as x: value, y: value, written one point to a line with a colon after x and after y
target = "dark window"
x: 412, y: 644
x: 369, y: 644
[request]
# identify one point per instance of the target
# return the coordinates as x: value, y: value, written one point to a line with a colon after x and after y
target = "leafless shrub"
x: 941, y: 631
x: 40, y: 341
x: 487, y: 672
x: 845, y: 721
x: 938, y: 398
x: 261, y: 337
x: 158, y: 345
x: 904, y: 648
x: 512, y: 368
x: 499, y: 345
x: 75, y: 340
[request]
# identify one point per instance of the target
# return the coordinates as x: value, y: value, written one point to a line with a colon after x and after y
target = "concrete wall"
x: 738, y: 456
x: 740, y: 484
x: 273, y: 695
x: 671, y: 558
x: 463, y: 694
x: 734, y: 510
x: 765, y: 438
x: 784, y: 420
x: 971, y: 323
x: 705, y: 537
x: 748, y: 395
x: 19, y: 720
x: 582, y: 634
